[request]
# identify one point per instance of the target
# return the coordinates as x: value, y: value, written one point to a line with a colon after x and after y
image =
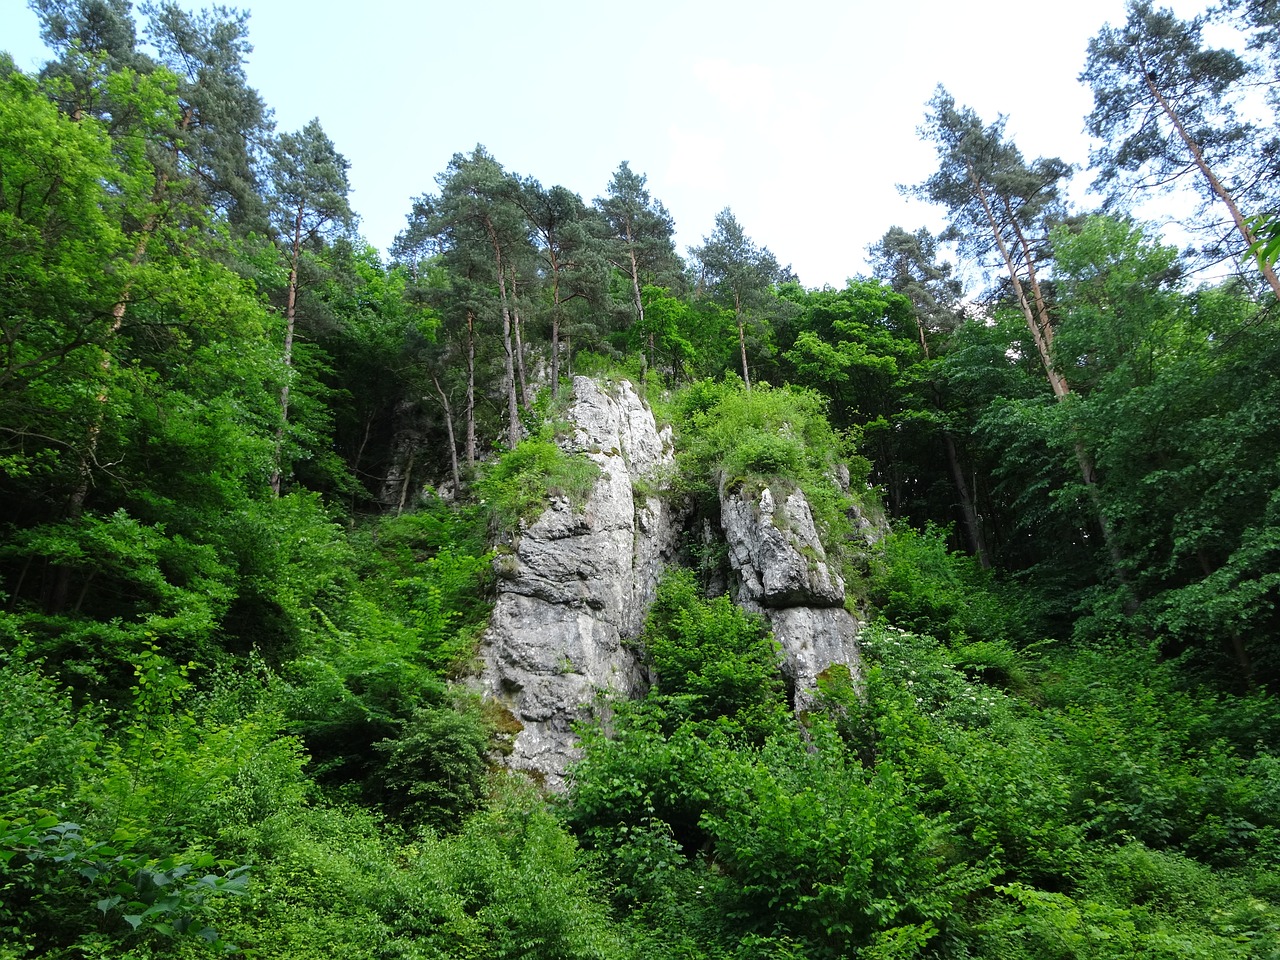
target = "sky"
x: 801, y: 117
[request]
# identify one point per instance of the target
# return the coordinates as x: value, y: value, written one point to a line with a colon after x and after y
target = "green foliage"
x: 434, y: 771
x: 672, y: 325
x: 135, y: 863
x: 954, y: 802
x: 649, y: 782
x: 199, y: 676
x: 728, y: 434
x: 853, y: 346
x: 200, y: 782
x: 830, y: 853
x: 1267, y: 245
x: 712, y: 661
x: 52, y: 863
x: 1174, y: 410
x: 146, y: 585
x: 919, y: 584
x: 426, y: 577
x: 510, y: 883
x: 518, y: 486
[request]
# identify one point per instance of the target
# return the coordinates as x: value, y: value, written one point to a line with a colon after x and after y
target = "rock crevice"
x: 779, y: 568
x: 575, y: 589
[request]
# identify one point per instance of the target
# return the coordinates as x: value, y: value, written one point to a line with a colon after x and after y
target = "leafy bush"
x: 1105, y: 813
x: 378, y: 659
x: 712, y: 660
x: 725, y: 431
x: 829, y: 852
x: 434, y: 770
x: 510, y: 883
x: 122, y: 837
x: 518, y: 486
x: 55, y: 875
x: 919, y: 584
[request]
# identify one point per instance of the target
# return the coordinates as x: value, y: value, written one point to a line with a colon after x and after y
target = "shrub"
x: 434, y: 771
x: 518, y: 487
x: 920, y: 585
x: 712, y: 660
x: 726, y: 431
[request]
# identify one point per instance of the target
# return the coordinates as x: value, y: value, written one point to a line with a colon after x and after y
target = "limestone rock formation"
x: 579, y: 582
x: 779, y: 568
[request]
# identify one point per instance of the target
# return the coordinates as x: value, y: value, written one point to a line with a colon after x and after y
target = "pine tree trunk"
x: 471, y: 391
x: 1040, y: 326
x: 555, y: 330
x: 290, y: 316
x: 635, y: 278
x: 509, y: 382
x: 1217, y: 186
x: 453, y: 446
x: 517, y: 325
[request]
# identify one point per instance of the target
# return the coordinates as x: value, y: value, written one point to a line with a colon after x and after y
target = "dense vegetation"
x: 251, y: 479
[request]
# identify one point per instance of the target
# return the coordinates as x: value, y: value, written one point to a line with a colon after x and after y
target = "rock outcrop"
x: 579, y: 582
x: 779, y: 568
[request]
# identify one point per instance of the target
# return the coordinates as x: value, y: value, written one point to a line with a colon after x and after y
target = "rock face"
x: 580, y: 582
x: 779, y: 569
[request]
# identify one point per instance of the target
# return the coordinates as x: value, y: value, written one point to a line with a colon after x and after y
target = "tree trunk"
x: 359, y: 457
x: 1219, y: 189
x: 924, y: 344
x: 408, y: 479
x: 75, y: 503
x: 635, y: 277
x: 1043, y: 346
x: 471, y: 391
x: 973, y: 528
x: 1039, y: 323
x: 555, y: 329
x: 742, y: 339
x: 513, y: 406
x: 968, y: 510
x: 517, y: 325
x: 453, y: 446
x: 290, y: 316
x: 88, y: 458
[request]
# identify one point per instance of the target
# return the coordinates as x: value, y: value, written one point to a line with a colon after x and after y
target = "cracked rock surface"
x: 779, y: 569
x: 579, y: 583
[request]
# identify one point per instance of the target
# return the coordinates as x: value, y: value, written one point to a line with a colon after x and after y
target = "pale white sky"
x: 800, y: 116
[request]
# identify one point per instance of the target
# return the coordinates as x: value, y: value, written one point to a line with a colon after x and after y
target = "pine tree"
x: 639, y: 231
x: 309, y: 189
x: 1165, y: 107
x: 736, y: 273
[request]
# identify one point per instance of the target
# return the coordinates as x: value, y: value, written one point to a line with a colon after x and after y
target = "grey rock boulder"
x: 578, y: 583
x: 780, y: 569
